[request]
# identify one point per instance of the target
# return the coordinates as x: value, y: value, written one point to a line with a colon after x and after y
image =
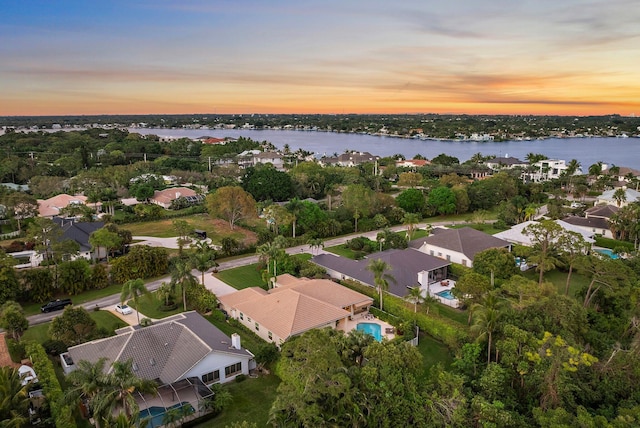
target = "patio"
x: 386, y: 329
x: 188, y: 393
x: 441, y: 291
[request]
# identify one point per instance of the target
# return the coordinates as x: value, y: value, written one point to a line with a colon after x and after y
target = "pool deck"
x: 385, y: 327
x: 438, y: 287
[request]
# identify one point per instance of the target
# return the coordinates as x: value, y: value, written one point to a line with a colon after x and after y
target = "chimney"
x: 235, y: 341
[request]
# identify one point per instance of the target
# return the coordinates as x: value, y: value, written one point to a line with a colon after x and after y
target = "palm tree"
x: 410, y: 220
x: 486, y: 319
x: 620, y: 196
x: 595, y: 169
x: 13, y: 399
x: 294, y: 206
x: 315, y: 243
x: 133, y: 289
x: 381, y: 278
x: 415, y: 296
x: 87, y: 381
x: 203, y: 257
x: 120, y: 386
x: 182, y: 277
x: 572, y: 167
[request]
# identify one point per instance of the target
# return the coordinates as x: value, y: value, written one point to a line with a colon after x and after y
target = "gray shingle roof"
x: 605, y: 211
x: 406, y: 264
x: 78, y: 231
x: 591, y: 222
x: 466, y: 240
x: 165, y: 351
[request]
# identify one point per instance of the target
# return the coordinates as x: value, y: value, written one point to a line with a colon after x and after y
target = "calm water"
x: 616, y: 151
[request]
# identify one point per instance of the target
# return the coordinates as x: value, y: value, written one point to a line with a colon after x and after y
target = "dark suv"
x: 55, y: 305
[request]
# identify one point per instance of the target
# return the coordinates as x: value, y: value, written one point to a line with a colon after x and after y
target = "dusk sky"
x: 569, y: 57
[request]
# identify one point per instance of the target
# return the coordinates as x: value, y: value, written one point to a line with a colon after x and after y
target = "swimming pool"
x: 607, y: 252
x: 446, y: 294
x: 154, y: 415
x: 371, y: 328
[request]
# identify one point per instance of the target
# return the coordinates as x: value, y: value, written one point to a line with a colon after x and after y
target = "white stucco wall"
x: 442, y: 253
x: 218, y: 361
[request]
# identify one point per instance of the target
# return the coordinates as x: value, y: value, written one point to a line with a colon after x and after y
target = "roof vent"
x: 135, y: 367
x: 152, y: 362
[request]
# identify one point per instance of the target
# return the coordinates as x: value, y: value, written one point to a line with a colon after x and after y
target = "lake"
x: 611, y: 151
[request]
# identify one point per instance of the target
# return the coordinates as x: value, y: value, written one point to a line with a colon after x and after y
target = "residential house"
x: 51, y: 207
x: 412, y: 163
x: 458, y: 245
x: 516, y: 234
x: 607, y: 198
x: 409, y: 268
x: 273, y: 158
x: 79, y: 232
x: 183, y: 346
x: 548, y: 169
x: 165, y: 197
x: 506, y: 163
x: 349, y: 159
x: 595, y: 220
x: 294, y: 306
x: 625, y: 175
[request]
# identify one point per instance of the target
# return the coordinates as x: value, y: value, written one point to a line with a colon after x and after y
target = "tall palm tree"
x: 381, y: 278
x: 315, y: 243
x: 410, y: 220
x: 133, y: 289
x: 121, y: 384
x: 13, y: 399
x: 87, y: 381
x: 294, y: 206
x: 620, y: 196
x: 416, y: 297
x: 595, y: 169
x: 182, y: 277
x: 203, y: 257
x: 486, y: 320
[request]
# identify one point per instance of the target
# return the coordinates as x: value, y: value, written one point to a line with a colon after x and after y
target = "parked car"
x: 124, y: 309
x: 55, y: 305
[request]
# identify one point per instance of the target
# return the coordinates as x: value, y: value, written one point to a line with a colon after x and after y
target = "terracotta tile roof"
x: 166, y: 196
x: 52, y: 206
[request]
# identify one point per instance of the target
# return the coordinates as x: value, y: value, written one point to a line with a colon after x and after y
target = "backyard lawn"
x: 433, y: 352
x: 251, y: 402
x: 559, y: 279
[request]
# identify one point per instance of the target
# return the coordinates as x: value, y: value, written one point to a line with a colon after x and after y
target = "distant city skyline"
x: 564, y: 57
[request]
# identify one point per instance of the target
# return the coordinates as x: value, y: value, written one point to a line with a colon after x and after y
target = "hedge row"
x: 448, y: 332
x: 614, y: 244
x: 60, y: 411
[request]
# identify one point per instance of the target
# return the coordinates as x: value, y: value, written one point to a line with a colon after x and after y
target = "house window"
x: 233, y: 369
x: 248, y: 319
x: 241, y: 316
x: 257, y: 327
x: 448, y: 258
x: 270, y: 336
x: 431, y: 252
x: 214, y: 376
x: 439, y: 254
x: 464, y: 262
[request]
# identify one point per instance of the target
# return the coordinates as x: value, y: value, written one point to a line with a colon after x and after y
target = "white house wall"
x: 218, y: 361
x: 448, y: 255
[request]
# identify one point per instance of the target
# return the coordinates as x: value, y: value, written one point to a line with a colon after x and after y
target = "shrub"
x: 145, y: 322
x: 241, y: 378
x: 16, y: 350
x: 54, y: 347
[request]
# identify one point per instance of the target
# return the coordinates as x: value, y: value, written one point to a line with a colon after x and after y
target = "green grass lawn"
x: 433, y: 352
x: 39, y: 333
x: 341, y: 251
x: 252, y: 400
x: 242, y: 277
x: 559, y: 279
x: 34, y: 308
x: 164, y: 228
x: 150, y: 307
